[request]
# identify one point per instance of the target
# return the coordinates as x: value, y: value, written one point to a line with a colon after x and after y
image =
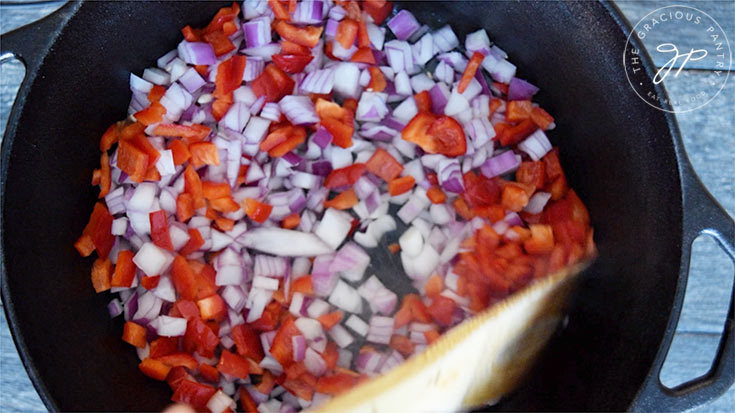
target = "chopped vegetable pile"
x: 242, y: 199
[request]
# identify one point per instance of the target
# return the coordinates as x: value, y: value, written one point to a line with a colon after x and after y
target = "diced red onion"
x: 318, y: 81
x: 308, y: 12
x: 314, y: 363
x: 271, y: 111
x: 346, y: 298
x: 423, y: 265
x: 400, y: 56
x: 351, y: 261
x: 357, y: 325
x: 372, y: 107
x: 439, y: 97
x: 309, y: 327
x: 536, y: 146
x: 376, y: 35
x: 149, y: 307
x: 342, y: 53
x: 333, y: 228
x: 197, y: 53
x: 257, y: 32
x: 299, y: 110
x: 381, y: 299
x: 501, y: 164
x: 256, y: 107
x: 284, y: 242
x: 341, y: 336
x: 256, y: 129
x: 317, y: 308
x: 167, y: 326
x: 445, y: 39
x: 269, y: 363
x: 139, y: 85
x: 403, y: 83
x: 115, y: 308
x: 378, y: 132
x: 299, y: 348
x: 421, y: 82
x: 330, y: 29
x: 477, y: 42
x: 265, y: 51
x: 537, y: 202
x: 252, y: 9
x: 253, y: 68
x: 346, y: 80
x: 220, y: 402
x: 403, y: 24
x: 337, y: 12
x: 157, y: 76
x: 520, y: 89
x: 152, y: 260
x: 513, y: 219
x: 457, y: 104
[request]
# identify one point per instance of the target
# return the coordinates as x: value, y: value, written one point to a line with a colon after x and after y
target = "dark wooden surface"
x: 710, y: 142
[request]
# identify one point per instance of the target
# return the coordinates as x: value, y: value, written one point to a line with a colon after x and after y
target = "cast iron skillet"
x: 625, y: 159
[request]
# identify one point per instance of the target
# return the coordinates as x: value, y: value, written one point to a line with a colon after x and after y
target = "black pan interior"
x: 617, y: 151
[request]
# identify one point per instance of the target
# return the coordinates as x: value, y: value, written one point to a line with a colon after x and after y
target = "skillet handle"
x: 702, y: 215
x: 31, y: 43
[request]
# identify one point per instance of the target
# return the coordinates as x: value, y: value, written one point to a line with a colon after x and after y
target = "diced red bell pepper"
x: 220, y: 42
x: 229, y: 75
x: 193, y: 186
x: 221, y: 105
x: 365, y: 55
x: 436, y: 195
x: 470, y: 70
x: 541, y: 241
x: 541, y: 118
x: 187, y: 309
x: 270, y: 318
x: 299, y: 388
x: 180, y: 151
x: 346, y: 176
x: 200, y: 338
x: 156, y: 93
x: 246, y: 400
x: 150, y: 115
x: 209, y: 373
x: 154, y: 369
x: 247, y: 342
x: 335, y: 384
x: 347, y: 32
x: 224, y: 15
x: 441, y: 310
x: 194, y: 394
x: 214, y: 190
x: 377, y: 79
x: 344, y: 200
x: 176, y: 376
x: 279, y: 10
x: 384, y: 165
x: 212, y: 308
x: 291, y: 221
x: 184, y: 207
x: 402, y: 344
x: 514, y: 134
x: 124, y: 270
x: 101, y: 274
x: 436, y: 134
x: 256, y: 210
x: 189, y: 284
x: 203, y: 153
x: 434, y: 286
x: 267, y: 382
x: 160, y: 230
x: 134, y: 334
x: 423, y: 101
x: 233, y: 365
x: 110, y: 137
x: 188, y: 133
x: 273, y: 83
x: 329, y: 320
x: 282, y: 347
x: 303, y: 285
x: 105, y: 175
x: 330, y: 355
x: 379, y: 10
x: 132, y: 160
x: 291, y: 48
x: 307, y: 36
x: 179, y: 359
x: 480, y: 191
x: 514, y: 197
x: 150, y: 282
x: 531, y: 173
x: 292, y: 63
x: 163, y: 346
x: 518, y: 110
x: 401, y: 185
